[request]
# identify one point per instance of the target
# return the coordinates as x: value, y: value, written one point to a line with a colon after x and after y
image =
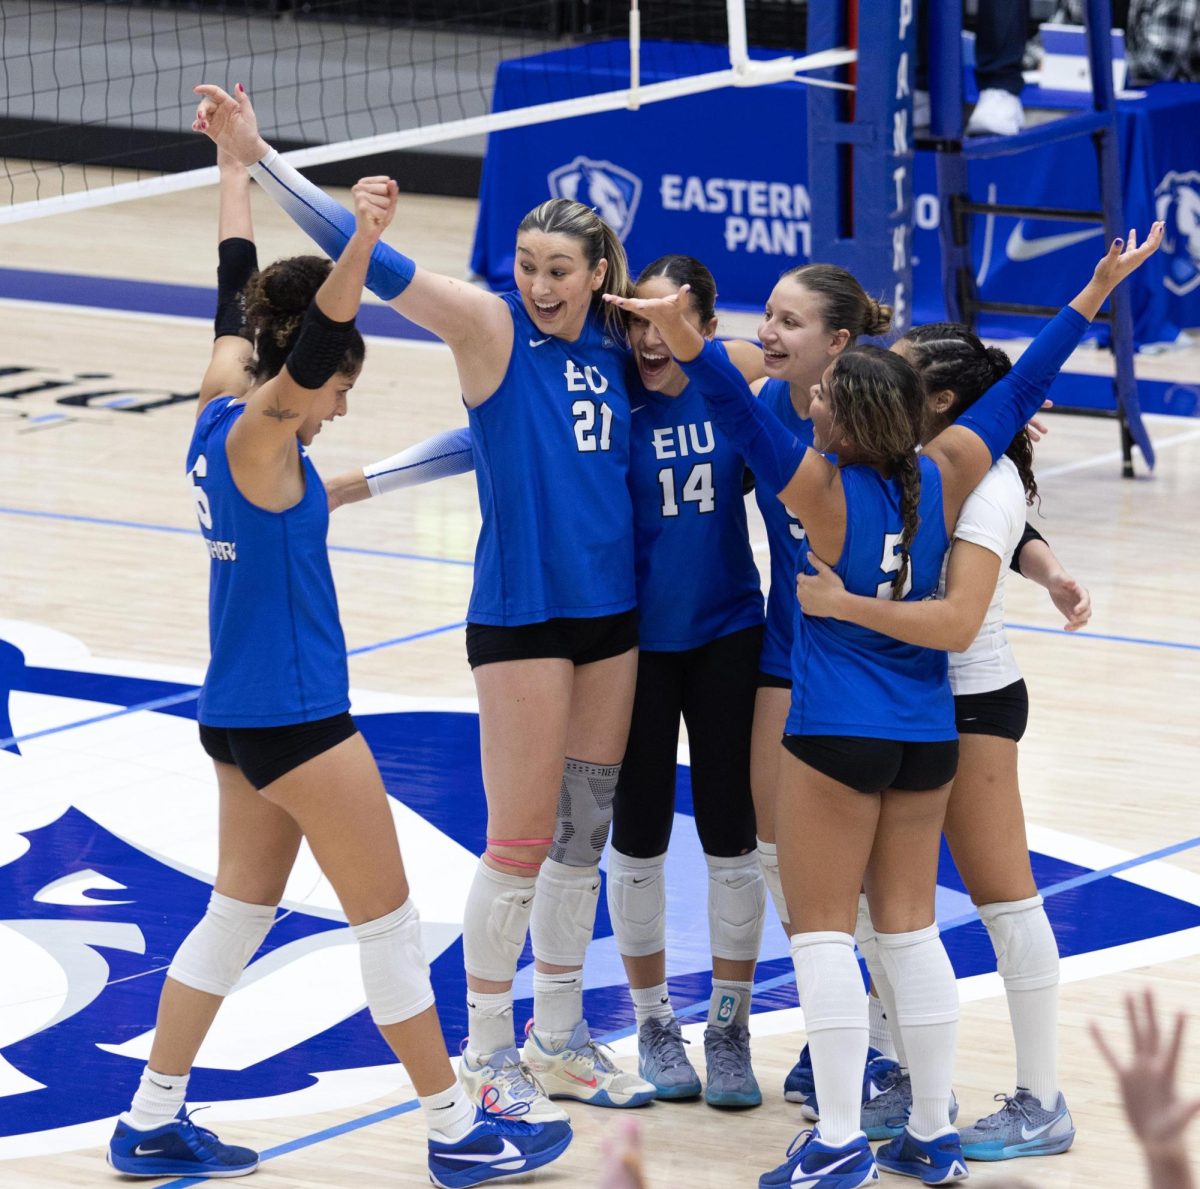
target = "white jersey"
x: 993, y: 517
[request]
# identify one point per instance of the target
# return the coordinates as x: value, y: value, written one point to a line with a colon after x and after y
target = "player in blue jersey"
x: 552, y: 625
x: 273, y: 716
x: 701, y: 615
x: 870, y: 739
x: 985, y: 825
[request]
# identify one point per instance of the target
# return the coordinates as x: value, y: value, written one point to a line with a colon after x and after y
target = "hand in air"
x: 374, y: 204
x: 1124, y: 257
x: 661, y: 311
x: 1072, y: 600
x: 819, y: 593
x: 229, y: 121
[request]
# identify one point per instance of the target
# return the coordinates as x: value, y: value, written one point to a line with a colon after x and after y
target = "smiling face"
x: 657, y: 369
x: 826, y: 436
x: 797, y: 345
x: 329, y: 402
x: 556, y: 282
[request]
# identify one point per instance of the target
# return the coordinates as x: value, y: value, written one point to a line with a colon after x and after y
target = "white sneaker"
x: 583, y: 1071
x: 998, y: 113
x: 502, y: 1081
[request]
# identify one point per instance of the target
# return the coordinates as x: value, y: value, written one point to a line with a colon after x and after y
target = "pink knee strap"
x: 513, y: 862
x: 519, y: 841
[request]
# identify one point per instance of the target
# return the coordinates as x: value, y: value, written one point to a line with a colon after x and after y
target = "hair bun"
x: 999, y: 360
x: 879, y: 317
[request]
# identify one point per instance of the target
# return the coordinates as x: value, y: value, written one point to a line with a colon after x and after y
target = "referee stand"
x: 954, y: 154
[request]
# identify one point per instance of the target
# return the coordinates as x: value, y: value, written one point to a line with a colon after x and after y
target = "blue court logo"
x: 611, y: 191
x: 1177, y: 204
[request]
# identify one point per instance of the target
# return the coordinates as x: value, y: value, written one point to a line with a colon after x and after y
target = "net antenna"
x: 743, y: 71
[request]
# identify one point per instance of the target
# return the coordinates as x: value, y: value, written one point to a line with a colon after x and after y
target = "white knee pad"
x: 737, y: 899
x: 564, y: 913
x: 637, y: 903
x: 214, y: 954
x: 831, y: 989
x: 921, y: 976
x: 585, y: 812
x: 1026, y: 952
x: 768, y: 859
x: 495, y: 923
x: 394, y: 971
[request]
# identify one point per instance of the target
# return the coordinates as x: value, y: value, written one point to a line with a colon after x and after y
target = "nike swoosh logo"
x: 638, y: 882
x: 1019, y: 248
x: 589, y: 1082
x: 923, y: 1158
x: 539, y: 342
x: 508, y: 1152
x: 140, y: 1151
x: 816, y: 1178
x: 1030, y: 1132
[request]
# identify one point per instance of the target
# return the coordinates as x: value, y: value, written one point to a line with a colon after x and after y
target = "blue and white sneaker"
x: 662, y: 1061
x: 179, y: 1149
x: 730, y: 1079
x: 1021, y: 1127
x: 937, y: 1161
x: 817, y: 1165
x: 879, y: 1074
x: 887, y: 1115
x: 500, y: 1145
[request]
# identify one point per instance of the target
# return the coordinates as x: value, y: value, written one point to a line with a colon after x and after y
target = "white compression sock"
x: 157, y: 1100
x: 557, y: 1007
x: 835, y: 1015
x: 927, y: 1007
x: 651, y: 1003
x: 1027, y: 959
x: 449, y: 1114
x: 881, y: 1032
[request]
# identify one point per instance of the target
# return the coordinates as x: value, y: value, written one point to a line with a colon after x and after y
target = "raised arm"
x: 475, y: 324
x: 966, y: 450
x: 438, y: 457
x: 237, y: 261
x: 806, y: 482
x: 950, y: 623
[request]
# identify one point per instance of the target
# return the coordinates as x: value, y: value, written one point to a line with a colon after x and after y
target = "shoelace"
x: 598, y: 1054
x: 507, y: 1120
x: 208, y: 1137
x: 998, y: 1118
x: 663, y: 1040
x: 520, y: 1081
x: 726, y: 1053
x: 802, y: 1141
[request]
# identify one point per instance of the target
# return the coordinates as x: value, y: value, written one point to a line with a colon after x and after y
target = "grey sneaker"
x: 1021, y: 1127
x: 662, y: 1061
x: 887, y: 1115
x: 731, y: 1081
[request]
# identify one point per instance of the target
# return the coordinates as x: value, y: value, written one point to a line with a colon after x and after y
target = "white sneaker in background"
x: 998, y: 113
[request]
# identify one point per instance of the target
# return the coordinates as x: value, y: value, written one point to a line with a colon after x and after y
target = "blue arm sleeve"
x: 329, y: 224
x: 770, y: 449
x: 1003, y: 410
x: 438, y: 457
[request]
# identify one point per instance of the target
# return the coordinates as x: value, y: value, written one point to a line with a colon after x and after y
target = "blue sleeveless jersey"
x: 696, y: 577
x: 278, y: 654
x: 784, y: 535
x: 848, y: 680
x: 551, y: 449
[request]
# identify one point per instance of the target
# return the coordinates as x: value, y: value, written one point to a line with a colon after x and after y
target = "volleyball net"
x: 99, y: 102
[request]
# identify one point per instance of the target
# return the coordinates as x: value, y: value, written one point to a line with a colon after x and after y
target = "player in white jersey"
x: 984, y: 825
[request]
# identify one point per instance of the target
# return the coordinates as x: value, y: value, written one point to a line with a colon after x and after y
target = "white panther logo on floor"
x: 1177, y: 203
x: 611, y: 191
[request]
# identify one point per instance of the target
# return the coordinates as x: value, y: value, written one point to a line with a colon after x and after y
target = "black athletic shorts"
x: 771, y: 681
x: 1003, y: 712
x: 581, y: 641
x: 264, y: 754
x: 873, y: 765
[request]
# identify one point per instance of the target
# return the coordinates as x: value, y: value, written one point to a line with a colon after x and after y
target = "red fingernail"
x: 241, y: 88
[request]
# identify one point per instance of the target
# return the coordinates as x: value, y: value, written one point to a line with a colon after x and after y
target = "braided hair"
x: 276, y: 300
x: 950, y: 357
x: 877, y: 400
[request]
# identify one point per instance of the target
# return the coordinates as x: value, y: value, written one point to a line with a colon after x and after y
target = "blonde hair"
x: 562, y: 216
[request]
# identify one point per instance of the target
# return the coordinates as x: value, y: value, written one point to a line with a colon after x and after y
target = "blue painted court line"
x: 1147, y: 642
x: 144, y: 526
x: 192, y: 694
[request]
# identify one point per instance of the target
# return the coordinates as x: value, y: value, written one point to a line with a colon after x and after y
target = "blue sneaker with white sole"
x: 500, y: 1145
x: 178, y: 1149
x: 879, y: 1074
x: 937, y: 1161
x: 814, y: 1164
x: 1021, y: 1127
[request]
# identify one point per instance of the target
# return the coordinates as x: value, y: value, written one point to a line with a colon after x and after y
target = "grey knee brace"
x: 585, y: 809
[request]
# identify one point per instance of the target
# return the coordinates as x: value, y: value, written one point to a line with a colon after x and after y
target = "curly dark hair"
x: 276, y: 299
x: 951, y: 358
